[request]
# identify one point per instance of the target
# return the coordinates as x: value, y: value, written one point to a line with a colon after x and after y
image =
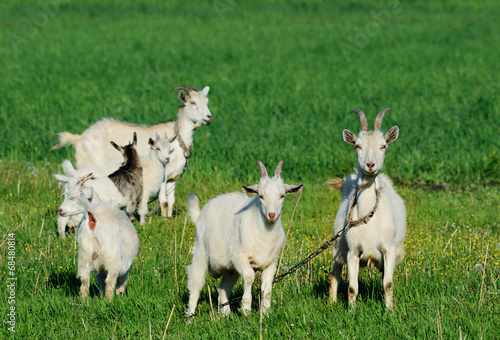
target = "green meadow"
x: 283, y: 77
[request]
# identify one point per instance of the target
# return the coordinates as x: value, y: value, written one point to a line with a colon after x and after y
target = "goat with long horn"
x: 377, y: 217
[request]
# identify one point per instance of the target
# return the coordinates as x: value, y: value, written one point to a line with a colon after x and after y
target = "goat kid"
x: 236, y: 235
x: 107, y: 240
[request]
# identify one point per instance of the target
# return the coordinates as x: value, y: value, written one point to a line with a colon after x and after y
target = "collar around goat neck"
x: 187, y: 151
x: 370, y: 214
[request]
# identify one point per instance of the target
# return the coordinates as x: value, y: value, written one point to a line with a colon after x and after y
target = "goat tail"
x: 335, y: 183
x: 193, y: 207
x: 65, y: 139
x: 68, y: 168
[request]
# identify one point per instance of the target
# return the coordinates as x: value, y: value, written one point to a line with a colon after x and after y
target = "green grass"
x: 283, y: 79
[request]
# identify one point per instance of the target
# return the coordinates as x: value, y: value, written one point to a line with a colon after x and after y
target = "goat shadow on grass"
x: 66, y: 280
x: 367, y: 290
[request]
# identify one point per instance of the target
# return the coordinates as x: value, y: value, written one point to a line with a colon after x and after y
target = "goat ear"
x: 292, y: 189
x: 254, y: 189
x: 88, y: 192
x: 116, y: 146
x: 151, y: 142
x: 349, y: 137
x: 182, y: 96
x: 62, y: 179
x: 96, y: 198
x: 391, y: 135
x: 205, y: 90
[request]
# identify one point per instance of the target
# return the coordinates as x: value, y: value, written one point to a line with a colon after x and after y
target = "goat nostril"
x: 370, y: 165
x: 272, y: 216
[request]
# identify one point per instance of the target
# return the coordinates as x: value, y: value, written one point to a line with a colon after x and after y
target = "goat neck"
x: 185, y: 133
x: 367, y: 196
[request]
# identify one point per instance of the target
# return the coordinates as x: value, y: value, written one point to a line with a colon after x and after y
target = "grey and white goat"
x: 237, y: 234
x: 123, y: 187
x: 107, y: 240
x: 153, y: 170
x: 379, y: 239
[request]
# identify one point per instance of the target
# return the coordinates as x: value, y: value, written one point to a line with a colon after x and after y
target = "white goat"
x: 379, y: 240
x: 92, y: 146
x: 153, y: 170
x: 235, y: 235
x: 108, y: 242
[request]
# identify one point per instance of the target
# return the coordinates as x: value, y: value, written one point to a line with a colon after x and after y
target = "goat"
x: 379, y: 239
x: 92, y: 146
x: 122, y: 188
x: 153, y: 170
x: 107, y: 240
x: 235, y: 235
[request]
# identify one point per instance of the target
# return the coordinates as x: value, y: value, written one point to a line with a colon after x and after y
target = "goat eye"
x: 383, y: 147
x: 357, y: 147
x: 282, y: 196
x: 261, y: 197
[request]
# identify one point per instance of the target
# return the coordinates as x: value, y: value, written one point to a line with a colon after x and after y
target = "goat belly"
x: 370, y: 259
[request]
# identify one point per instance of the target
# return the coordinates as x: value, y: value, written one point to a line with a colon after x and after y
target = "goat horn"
x: 263, y: 171
x: 277, y: 172
x: 362, y: 119
x: 189, y: 89
x: 379, y: 118
x: 85, y: 179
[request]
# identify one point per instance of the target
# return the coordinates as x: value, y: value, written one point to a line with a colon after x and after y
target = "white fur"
x: 92, y: 146
x: 380, y: 242
x: 235, y: 235
x: 107, y: 250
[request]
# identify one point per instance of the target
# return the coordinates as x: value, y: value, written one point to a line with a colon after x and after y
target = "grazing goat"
x: 235, y: 235
x: 377, y: 216
x: 122, y: 188
x: 107, y: 240
x: 92, y: 146
x: 153, y: 170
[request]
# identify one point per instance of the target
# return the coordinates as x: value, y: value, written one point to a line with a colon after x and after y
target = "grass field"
x: 283, y: 78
